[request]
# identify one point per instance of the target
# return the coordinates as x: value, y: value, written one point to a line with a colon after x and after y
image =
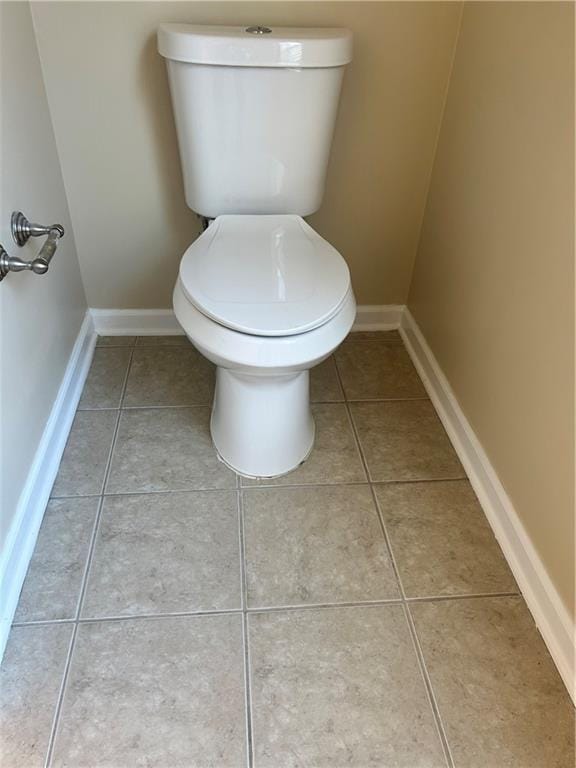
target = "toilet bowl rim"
x: 232, y: 348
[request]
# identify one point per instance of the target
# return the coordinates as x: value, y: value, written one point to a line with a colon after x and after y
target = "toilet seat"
x: 264, y: 275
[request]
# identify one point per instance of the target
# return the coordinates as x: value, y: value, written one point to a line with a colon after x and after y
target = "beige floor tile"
x: 334, y: 458
x: 386, y: 337
x: 86, y: 454
x: 324, y: 384
x: 441, y: 540
x: 115, y: 341
x: 339, y: 687
x: 405, y: 440
x: 30, y: 679
x: 162, y: 553
x: 164, y: 341
x: 315, y: 545
x: 500, y: 697
x: 166, y: 449
x: 103, y: 388
x: 370, y: 370
x: 175, y: 375
x: 158, y: 693
x: 52, y: 585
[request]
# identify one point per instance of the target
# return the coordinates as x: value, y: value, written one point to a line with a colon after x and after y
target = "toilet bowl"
x: 265, y: 298
x: 259, y: 293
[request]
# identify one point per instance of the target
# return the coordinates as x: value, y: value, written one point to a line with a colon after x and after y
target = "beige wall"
x: 40, y: 316
x: 114, y: 128
x: 493, y: 286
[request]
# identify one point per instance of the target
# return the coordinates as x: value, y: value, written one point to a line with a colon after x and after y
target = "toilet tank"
x: 255, y: 110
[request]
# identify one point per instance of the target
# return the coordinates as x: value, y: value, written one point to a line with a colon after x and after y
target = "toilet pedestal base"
x: 262, y: 425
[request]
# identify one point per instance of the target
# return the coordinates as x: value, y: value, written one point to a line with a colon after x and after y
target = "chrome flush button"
x: 258, y: 30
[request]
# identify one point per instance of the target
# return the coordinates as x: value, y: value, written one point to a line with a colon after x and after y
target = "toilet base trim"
x: 265, y: 477
x: 261, y: 425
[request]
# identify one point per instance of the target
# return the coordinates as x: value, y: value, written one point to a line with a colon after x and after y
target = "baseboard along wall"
x: 23, y: 532
x: 136, y: 322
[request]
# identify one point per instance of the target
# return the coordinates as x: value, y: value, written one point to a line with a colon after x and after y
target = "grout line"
x: 259, y: 485
x: 84, y: 582
x: 248, y: 692
x: 455, y: 479
x: 189, y: 406
x: 98, y: 409
x: 256, y: 486
x: 165, y: 615
x: 245, y: 631
x: 326, y: 606
x: 242, y: 541
x: 359, y: 450
x: 429, y: 688
x: 120, y: 406
x: 411, y: 628
x: 415, y: 642
x: 160, y: 406
x: 60, y: 699
x: 222, y: 489
x: 160, y: 491
x: 463, y: 596
x: 91, y: 545
x: 41, y: 622
x: 269, y: 609
x: 353, y: 426
x: 355, y: 482
x: 107, y: 468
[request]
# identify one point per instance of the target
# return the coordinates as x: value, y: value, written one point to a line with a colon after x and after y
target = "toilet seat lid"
x: 265, y: 275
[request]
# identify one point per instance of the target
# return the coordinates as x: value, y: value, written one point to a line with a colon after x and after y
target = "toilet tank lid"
x: 240, y: 47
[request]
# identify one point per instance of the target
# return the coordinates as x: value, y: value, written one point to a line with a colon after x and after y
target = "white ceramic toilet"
x: 259, y: 293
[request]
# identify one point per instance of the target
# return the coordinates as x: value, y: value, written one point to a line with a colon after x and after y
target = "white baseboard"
x: 542, y: 598
x: 162, y: 322
x: 378, y: 317
x: 135, y: 322
x: 23, y: 532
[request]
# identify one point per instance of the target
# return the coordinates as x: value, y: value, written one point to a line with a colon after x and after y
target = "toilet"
x: 259, y: 292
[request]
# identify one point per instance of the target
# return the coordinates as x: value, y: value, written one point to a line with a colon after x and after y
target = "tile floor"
x: 357, y: 612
